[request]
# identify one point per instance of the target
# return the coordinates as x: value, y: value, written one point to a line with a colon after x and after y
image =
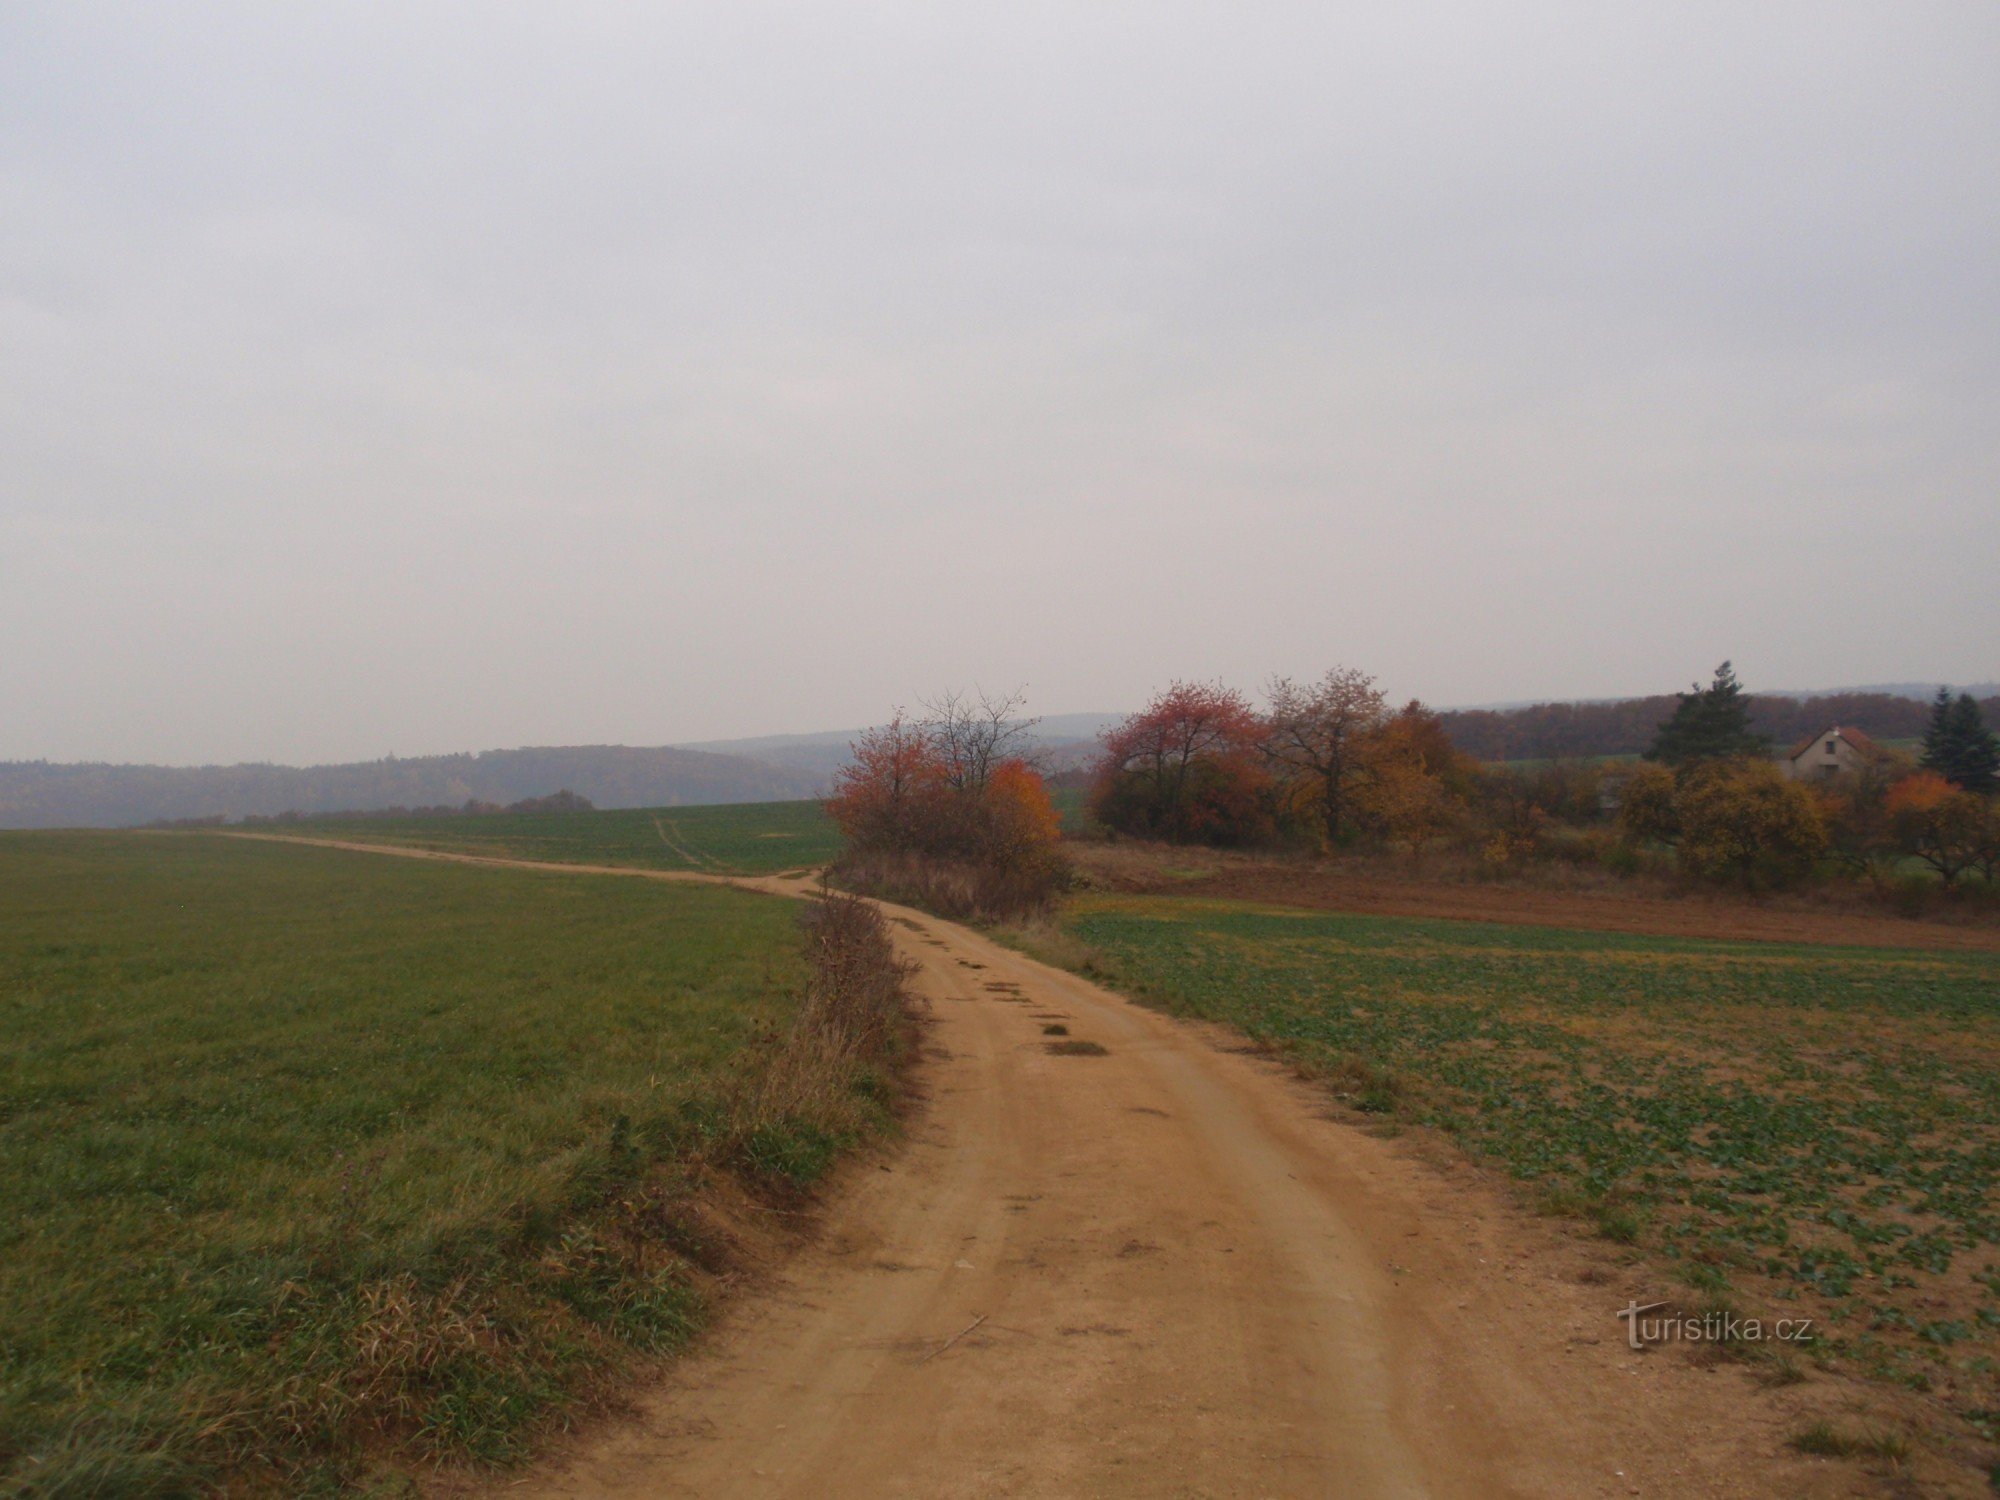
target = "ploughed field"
x: 1799, y: 1130
x: 306, y: 1152
x: 744, y: 838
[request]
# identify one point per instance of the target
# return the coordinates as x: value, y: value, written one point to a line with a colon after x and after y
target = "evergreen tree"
x: 1959, y: 746
x: 1937, y: 733
x: 1709, y: 723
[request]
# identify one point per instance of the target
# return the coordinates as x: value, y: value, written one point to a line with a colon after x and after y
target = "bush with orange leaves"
x: 921, y: 830
x: 1953, y: 832
x: 892, y: 794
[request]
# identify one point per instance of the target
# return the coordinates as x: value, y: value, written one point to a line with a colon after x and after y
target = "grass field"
x: 1072, y: 804
x: 1543, y: 762
x: 1817, y: 1126
x: 302, y: 1152
x: 747, y: 838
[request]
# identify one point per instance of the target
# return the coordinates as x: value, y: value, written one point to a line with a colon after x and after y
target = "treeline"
x: 1331, y: 765
x: 39, y: 794
x: 1326, y: 763
x: 1555, y: 731
x: 555, y: 802
x: 1710, y: 793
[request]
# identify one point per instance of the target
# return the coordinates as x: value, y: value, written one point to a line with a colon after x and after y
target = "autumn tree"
x: 1746, y: 821
x: 1708, y: 723
x: 891, y: 792
x: 1950, y: 830
x: 1184, y: 768
x: 974, y: 733
x: 1414, y: 782
x: 1646, y: 808
x: 1404, y: 803
x: 1315, y: 740
x: 1022, y: 821
x: 1861, y: 832
x: 932, y: 818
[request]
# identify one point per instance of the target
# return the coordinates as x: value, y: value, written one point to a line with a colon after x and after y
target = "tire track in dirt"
x: 674, y: 845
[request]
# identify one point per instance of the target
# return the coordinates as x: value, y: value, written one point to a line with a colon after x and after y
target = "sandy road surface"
x: 1163, y: 1271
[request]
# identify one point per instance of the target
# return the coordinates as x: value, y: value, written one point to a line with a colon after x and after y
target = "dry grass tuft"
x: 1825, y: 1440
x: 959, y: 889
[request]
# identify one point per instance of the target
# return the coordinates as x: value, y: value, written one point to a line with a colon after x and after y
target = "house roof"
x: 1854, y: 737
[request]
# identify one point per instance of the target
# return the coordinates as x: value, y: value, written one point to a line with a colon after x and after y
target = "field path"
x: 695, y: 861
x: 1164, y: 1271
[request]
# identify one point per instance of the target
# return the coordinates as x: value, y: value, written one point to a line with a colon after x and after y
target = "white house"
x: 1832, y: 752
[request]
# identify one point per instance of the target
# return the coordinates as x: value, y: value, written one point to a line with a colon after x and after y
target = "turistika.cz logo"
x: 1654, y: 1323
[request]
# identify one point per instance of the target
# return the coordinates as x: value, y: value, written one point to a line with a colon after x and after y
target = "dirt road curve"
x: 1162, y: 1271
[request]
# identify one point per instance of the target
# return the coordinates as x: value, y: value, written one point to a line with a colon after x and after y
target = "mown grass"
x: 746, y: 838
x: 1801, y: 1125
x: 311, y: 1157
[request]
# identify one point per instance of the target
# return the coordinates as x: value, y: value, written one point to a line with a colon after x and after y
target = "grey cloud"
x: 457, y: 376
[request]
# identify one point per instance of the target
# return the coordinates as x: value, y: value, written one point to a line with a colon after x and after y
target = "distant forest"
x: 39, y: 794
x: 1550, y: 731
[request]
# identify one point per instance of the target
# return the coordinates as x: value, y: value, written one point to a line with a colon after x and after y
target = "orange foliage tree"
x: 1023, y: 818
x: 1953, y: 832
x: 899, y: 796
x: 1185, y: 768
x: 1412, y: 782
x: 891, y: 795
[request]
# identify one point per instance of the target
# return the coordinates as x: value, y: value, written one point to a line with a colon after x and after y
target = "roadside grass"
x: 1813, y: 1126
x: 314, y: 1162
x: 744, y: 838
x: 1824, y: 1440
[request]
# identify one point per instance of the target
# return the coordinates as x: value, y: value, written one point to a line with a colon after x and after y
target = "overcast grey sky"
x: 416, y: 378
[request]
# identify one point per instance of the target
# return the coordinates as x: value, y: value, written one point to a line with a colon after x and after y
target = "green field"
x: 304, y: 1152
x: 745, y: 838
x: 1072, y: 804
x: 1543, y: 762
x: 1784, y: 1124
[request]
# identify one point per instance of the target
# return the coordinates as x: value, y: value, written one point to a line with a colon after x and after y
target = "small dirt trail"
x: 1164, y: 1271
x: 672, y: 841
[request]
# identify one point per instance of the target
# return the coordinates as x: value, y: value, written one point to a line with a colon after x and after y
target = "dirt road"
x: 1164, y: 1271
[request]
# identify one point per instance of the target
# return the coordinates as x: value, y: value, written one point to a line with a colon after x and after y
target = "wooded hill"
x: 38, y: 794
x: 1547, y: 731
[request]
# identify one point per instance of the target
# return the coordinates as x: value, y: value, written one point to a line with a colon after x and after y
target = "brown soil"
x: 1143, y: 870
x: 1170, y: 1271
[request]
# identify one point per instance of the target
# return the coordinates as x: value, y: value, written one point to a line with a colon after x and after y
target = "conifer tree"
x: 1711, y: 723
x: 1937, y: 733
x: 1959, y: 746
